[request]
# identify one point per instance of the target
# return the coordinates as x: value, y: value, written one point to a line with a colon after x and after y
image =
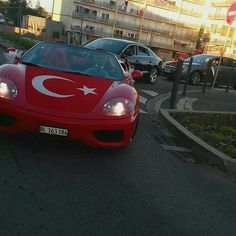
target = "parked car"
x: 2, y: 19
x: 133, y: 53
x: 74, y: 92
x: 226, y: 72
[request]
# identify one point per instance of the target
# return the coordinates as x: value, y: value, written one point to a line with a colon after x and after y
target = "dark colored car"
x: 133, y: 53
x: 226, y: 73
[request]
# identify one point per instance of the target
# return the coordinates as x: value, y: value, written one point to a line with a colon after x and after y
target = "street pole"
x: 20, y: 17
x: 81, y: 25
x: 222, y: 53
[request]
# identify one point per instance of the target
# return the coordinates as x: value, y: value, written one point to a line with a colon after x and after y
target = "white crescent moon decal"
x: 37, y: 83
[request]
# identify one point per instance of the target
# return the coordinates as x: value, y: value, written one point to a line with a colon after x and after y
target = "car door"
x: 130, y: 55
x: 144, y: 60
x: 225, y: 71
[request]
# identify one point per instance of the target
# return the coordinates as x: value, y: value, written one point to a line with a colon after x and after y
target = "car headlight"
x: 118, y: 107
x: 8, y: 89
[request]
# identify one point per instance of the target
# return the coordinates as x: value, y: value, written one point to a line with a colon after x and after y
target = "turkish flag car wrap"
x: 64, y: 91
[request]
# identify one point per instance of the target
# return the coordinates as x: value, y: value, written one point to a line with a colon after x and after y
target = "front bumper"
x: 109, y: 133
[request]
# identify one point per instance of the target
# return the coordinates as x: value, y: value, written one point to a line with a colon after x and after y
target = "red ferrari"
x: 69, y: 91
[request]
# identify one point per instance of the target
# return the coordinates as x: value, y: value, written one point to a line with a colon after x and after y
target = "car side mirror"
x: 136, y: 74
x: 123, y: 55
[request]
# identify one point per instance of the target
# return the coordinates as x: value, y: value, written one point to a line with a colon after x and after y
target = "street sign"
x: 231, y: 14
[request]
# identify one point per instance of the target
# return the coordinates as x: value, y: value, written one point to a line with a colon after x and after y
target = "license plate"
x: 53, y: 130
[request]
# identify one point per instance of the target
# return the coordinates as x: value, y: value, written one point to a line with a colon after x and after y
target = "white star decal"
x: 87, y: 90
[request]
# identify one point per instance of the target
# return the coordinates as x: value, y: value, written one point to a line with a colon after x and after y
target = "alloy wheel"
x: 196, y: 78
x: 153, y: 75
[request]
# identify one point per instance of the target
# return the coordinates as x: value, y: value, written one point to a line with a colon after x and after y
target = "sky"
x: 46, y: 4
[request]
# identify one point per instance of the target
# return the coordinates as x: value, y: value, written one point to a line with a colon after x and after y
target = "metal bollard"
x: 187, y: 76
x: 230, y: 81
x: 209, y: 64
x: 175, y: 84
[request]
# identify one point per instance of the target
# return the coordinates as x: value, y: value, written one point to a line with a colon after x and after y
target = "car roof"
x: 123, y: 40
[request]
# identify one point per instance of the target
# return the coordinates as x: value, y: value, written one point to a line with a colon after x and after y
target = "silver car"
x: 226, y: 72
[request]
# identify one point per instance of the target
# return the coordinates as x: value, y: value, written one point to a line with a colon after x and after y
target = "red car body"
x: 60, y: 101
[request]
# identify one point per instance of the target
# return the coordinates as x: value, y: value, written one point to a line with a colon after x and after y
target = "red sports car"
x: 69, y: 91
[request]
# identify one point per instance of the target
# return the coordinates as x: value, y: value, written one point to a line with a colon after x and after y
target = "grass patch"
x: 218, y: 130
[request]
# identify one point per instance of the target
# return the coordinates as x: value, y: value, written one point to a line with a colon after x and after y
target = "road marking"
x: 186, y: 103
x: 150, y: 92
x: 142, y: 111
x: 175, y: 148
x: 142, y: 99
x: 166, y: 96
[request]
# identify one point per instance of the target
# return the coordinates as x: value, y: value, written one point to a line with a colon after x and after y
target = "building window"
x: 130, y: 35
x: 119, y: 33
x: 105, y: 16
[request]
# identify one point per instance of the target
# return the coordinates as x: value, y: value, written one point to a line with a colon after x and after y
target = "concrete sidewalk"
x: 212, y: 101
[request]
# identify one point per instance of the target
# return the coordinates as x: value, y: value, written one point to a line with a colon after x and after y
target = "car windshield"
x: 108, y: 45
x: 71, y: 59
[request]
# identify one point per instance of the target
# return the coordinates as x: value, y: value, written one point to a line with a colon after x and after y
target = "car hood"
x: 64, y: 92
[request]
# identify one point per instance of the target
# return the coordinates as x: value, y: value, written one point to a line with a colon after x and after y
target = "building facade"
x: 218, y: 30
x: 169, y: 27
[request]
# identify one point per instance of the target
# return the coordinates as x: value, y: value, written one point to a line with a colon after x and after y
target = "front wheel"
x: 153, y: 75
x: 195, y: 77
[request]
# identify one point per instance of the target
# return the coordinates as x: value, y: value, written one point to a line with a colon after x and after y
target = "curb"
x: 204, y: 150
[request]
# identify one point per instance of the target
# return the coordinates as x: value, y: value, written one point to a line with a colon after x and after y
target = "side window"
x: 142, y: 51
x: 215, y: 61
x: 224, y: 62
x: 129, y: 51
x: 231, y: 62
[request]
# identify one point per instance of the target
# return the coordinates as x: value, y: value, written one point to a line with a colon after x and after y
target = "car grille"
x: 6, y: 120
x: 109, y: 135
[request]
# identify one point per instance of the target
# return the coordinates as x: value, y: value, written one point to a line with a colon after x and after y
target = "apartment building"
x: 218, y: 29
x: 169, y: 27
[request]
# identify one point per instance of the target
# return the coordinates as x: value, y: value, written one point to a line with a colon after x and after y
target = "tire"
x: 152, y: 78
x: 195, y: 77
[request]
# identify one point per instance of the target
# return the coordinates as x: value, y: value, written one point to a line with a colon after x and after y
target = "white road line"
x: 150, y: 92
x: 186, y: 103
x: 142, y: 111
x: 142, y: 99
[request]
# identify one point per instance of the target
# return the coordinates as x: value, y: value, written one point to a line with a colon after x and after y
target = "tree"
x: 22, y: 7
x: 18, y: 6
x: 40, y: 11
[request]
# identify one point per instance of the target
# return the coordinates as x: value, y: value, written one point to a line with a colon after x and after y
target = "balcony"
x: 190, y: 13
x: 110, y: 6
x: 96, y: 32
x: 136, y: 38
x: 156, y: 17
x: 199, y: 2
x: 128, y: 25
x: 217, y: 17
x: 163, y: 5
x: 93, y: 17
x: 224, y: 3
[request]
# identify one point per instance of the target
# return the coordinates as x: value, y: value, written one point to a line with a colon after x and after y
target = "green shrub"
x: 16, y: 38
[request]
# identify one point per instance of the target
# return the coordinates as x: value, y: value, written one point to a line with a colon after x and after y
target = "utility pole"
x: 20, y: 17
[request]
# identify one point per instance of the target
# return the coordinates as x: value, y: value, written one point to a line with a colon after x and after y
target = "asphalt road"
x: 52, y: 186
